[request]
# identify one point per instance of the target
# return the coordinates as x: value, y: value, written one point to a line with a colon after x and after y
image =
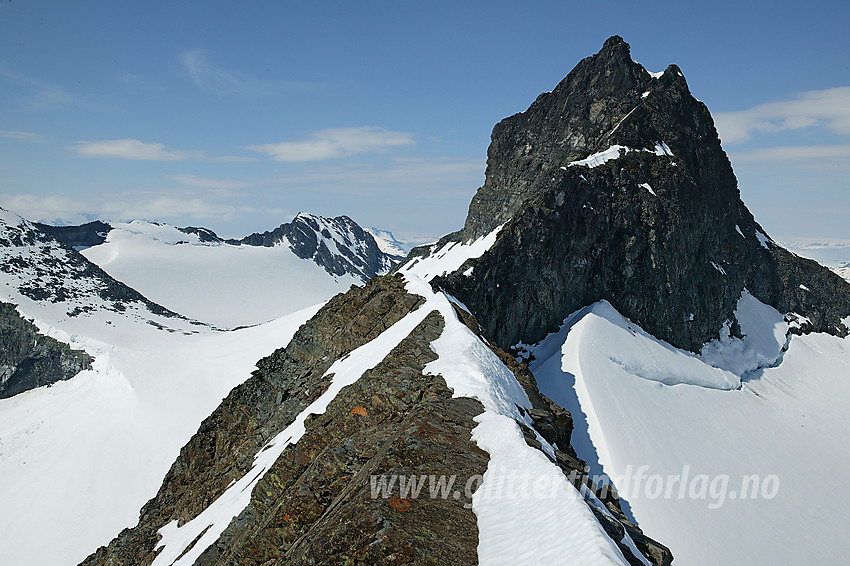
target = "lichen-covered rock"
x: 284, y: 384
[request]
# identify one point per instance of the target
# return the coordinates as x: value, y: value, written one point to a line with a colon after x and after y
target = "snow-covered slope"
x: 445, y: 257
x: 222, y: 284
x: 512, y: 530
x: 723, y: 471
x: 54, y: 284
x: 388, y: 243
x: 80, y: 458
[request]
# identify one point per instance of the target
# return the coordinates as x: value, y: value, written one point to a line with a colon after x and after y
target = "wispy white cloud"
x: 22, y: 136
x: 225, y: 82
x: 156, y: 206
x: 335, y: 143
x: 36, y: 94
x: 208, y: 183
x: 829, y: 108
x: 809, y: 157
x: 58, y: 209
x: 234, y: 159
x: 131, y: 149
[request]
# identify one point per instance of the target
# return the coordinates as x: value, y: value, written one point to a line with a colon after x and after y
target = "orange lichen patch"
x: 359, y: 411
x: 399, y: 504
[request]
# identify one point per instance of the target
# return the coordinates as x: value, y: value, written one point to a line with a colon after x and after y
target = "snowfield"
x: 683, y: 450
x: 78, y: 459
x: 220, y: 284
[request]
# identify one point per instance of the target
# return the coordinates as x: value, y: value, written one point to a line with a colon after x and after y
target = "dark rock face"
x: 204, y: 234
x: 82, y: 236
x: 338, y: 244
x: 660, y: 232
x: 29, y: 359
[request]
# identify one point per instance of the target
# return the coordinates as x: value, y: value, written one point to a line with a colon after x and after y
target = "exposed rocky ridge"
x: 29, y: 359
x: 284, y: 384
x: 81, y: 236
x: 660, y: 231
x: 204, y: 234
x: 338, y: 244
x: 315, y: 504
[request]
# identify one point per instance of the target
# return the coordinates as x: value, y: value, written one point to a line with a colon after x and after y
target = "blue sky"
x: 236, y: 116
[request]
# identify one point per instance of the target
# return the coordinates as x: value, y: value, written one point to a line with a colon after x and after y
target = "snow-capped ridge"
x: 629, y: 428
x: 53, y: 283
x: 764, y: 337
x: 646, y: 357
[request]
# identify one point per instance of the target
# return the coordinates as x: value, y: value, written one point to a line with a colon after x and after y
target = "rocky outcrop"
x: 204, y: 235
x: 81, y: 236
x: 653, y: 222
x: 29, y: 359
x: 339, y: 245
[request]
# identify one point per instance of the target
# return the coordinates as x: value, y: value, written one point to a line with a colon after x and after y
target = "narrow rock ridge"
x: 283, y: 385
x: 318, y: 502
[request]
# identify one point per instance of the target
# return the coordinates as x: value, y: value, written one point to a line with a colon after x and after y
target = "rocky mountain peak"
x: 614, y: 186
x: 339, y: 245
x: 606, y: 100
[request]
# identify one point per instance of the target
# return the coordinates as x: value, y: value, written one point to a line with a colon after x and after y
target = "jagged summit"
x: 615, y: 186
x: 607, y: 100
x: 338, y: 244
